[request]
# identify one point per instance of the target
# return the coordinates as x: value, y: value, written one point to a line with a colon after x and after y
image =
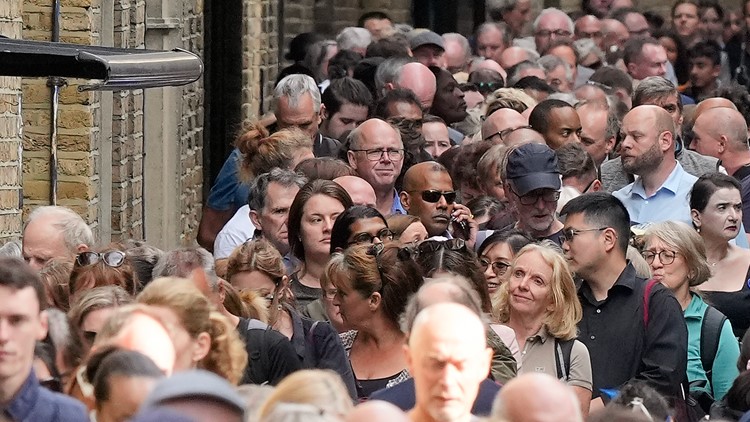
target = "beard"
x: 646, y: 162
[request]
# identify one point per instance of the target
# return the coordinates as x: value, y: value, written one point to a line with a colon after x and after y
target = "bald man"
x: 501, y: 123
x: 536, y: 397
x: 713, y: 102
x: 722, y: 133
x: 524, y: 135
x: 615, y: 34
x: 428, y: 194
x: 513, y: 55
x: 589, y: 26
x: 417, y: 78
x: 448, y: 357
x: 661, y: 192
x: 358, y: 188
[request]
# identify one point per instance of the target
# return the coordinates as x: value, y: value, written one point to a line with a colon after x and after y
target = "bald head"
x: 417, y: 173
x: 417, y: 78
x: 499, y: 121
x: 358, y: 188
x: 376, y: 411
x: 523, y: 136
x: 449, y: 319
x: 512, y: 56
x: 720, y: 131
x: 713, y: 102
x: 662, y: 121
x: 536, y: 397
x: 492, y: 65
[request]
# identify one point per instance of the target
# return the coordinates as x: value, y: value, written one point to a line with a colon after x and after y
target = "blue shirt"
x: 670, y: 202
x: 397, y: 208
x: 228, y: 193
x: 35, y: 403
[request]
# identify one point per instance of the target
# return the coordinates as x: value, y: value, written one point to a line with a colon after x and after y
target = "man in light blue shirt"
x: 661, y: 190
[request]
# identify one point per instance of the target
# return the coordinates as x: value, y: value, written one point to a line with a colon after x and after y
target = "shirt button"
x: 593, y: 337
x: 598, y: 311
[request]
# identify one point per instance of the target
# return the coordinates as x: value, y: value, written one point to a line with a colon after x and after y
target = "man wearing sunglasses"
x: 428, y: 194
x: 532, y: 186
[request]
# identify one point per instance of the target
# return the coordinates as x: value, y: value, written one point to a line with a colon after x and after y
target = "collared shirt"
x: 35, y: 403
x: 669, y: 202
x: 238, y: 229
x: 538, y: 355
x: 622, y: 347
x: 397, y: 208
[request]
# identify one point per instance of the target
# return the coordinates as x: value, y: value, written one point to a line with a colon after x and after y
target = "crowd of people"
x: 543, y: 225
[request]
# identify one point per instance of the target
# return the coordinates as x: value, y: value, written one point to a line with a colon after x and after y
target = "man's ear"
x: 631, y: 68
x: 324, y: 112
x: 667, y: 140
x: 255, y: 220
x: 596, y: 186
x: 722, y: 141
x: 610, y: 239
x: 82, y: 248
x: 610, y: 144
x: 43, y: 326
x: 352, y: 161
x: 405, y: 200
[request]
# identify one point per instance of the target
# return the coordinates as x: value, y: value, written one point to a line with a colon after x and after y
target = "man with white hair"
x: 448, y: 357
x: 54, y: 232
x: 457, y: 52
x: 550, y: 25
x: 354, y: 39
x: 536, y: 397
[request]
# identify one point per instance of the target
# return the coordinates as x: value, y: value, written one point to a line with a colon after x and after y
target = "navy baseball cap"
x: 533, y: 166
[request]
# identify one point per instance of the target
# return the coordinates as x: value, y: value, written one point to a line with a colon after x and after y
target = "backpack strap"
x: 713, y: 322
x: 647, y: 299
x: 563, y: 350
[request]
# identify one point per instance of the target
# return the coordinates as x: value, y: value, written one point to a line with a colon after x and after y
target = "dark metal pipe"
x: 54, y: 83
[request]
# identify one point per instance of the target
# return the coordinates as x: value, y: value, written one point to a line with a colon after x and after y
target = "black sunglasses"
x: 433, y: 196
x: 430, y: 246
x: 111, y: 259
x: 376, y: 250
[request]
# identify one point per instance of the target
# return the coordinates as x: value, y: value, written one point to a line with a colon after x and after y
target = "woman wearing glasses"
x: 258, y: 266
x: 110, y: 267
x: 677, y: 258
x: 496, y: 255
x: 359, y: 225
x: 540, y: 303
x: 716, y: 210
x: 372, y: 284
x: 311, y: 218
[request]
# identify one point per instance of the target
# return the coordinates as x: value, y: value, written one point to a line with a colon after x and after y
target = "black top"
x: 403, y: 396
x: 622, y: 348
x: 270, y: 356
x: 326, y: 147
x: 318, y: 346
x: 735, y: 305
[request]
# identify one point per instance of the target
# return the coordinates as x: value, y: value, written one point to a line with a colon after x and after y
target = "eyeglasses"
x: 665, y: 257
x: 548, y: 196
x: 52, y: 384
x: 430, y: 246
x: 506, y: 132
x: 498, y: 267
x: 569, y: 233
x: 384, y: 235
x: 111, y: 259
x: 376, y: 154
x: 433, y: 196
x: 558, y: 32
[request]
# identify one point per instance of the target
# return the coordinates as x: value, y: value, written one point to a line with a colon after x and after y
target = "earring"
x: 698, y: 229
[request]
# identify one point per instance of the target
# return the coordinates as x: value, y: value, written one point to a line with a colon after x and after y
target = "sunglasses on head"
x: 433, y: 196
x: 430, y: 246
x: 376, y: 250
x: 111, y: 259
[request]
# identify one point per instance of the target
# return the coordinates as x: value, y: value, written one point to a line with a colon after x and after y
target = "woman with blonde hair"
x: 677, y: 257
x: 320, y: 388
x: 203, y: 337
x: 257, y: 265
x: 540, y: 303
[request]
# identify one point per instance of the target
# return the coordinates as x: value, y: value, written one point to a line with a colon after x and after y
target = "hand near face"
x: 468, y: 230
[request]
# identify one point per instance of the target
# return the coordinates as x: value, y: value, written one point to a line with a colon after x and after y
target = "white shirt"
x: 237, y: 230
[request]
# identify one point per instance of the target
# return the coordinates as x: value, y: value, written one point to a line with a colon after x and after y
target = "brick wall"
x: 127, y: 130
x: 191, y: 127
x: 261, y: 52
x: 10, y: 132
x: 78, y: 117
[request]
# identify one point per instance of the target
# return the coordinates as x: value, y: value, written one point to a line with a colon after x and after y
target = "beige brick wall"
x: 260, y: 57
x: 78, y: 117
x: 10, y: 132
